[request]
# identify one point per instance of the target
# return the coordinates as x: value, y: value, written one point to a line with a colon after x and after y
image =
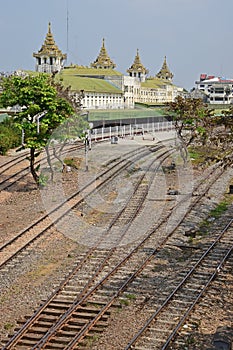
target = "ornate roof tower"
x: 103, y: 60
x: 164, y: 72
x: 137, y: 69
x: 49, y: 58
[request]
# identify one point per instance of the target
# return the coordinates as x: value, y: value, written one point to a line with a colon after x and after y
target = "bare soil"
x: 21, y: 294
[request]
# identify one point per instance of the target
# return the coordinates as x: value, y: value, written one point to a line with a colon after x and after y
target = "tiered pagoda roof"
x: 49, y: 47
x: 103, y: 60
x: 137, y: 66
x: 165, y: 72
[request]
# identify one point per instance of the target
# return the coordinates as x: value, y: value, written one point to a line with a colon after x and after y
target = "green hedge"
x: 10, y: 136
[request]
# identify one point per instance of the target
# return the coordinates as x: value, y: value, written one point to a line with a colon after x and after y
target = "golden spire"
x: 137, y: 66
x: 49, y: 47
x: 164, y: 72
x: 103, y: 60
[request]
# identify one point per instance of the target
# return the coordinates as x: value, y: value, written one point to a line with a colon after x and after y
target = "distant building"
x: 49, y: 58
x: 137, y: 70
x: 157, y: 90
x: 217, y: 89
x: 103, y: 60
x: 100, y: 86
x: 132, y: 87
x: 198, y: 94
x: 164, y: 72
x: 101, y: 83
x: 103, y: 86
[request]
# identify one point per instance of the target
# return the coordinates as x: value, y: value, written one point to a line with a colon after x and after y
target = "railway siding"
x: 130, y: 277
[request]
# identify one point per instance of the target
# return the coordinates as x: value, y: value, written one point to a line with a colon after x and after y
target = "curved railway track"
x: 12, y: 162
x: 66, y: 318
x: 26, y: 237
x: 141, y: 195
x: 9, y: 180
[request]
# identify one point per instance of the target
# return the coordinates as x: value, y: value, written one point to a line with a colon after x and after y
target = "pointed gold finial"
x: 165, y: 72
x: 137, y: 66
x: 49, y: 47
x: 103, y: 60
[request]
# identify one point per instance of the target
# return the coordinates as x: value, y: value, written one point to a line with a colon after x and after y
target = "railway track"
x: 26, y: 237
x: 12, y: 162
x: 64, y: 320
x: 163, y: 325
x: 135, y: 208
x: 9, y: 180
x: 208, y: 320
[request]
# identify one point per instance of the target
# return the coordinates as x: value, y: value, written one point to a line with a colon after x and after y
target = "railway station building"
x: 102, y: 85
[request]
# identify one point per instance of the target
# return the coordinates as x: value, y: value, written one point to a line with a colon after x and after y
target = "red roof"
x: 203, y: 76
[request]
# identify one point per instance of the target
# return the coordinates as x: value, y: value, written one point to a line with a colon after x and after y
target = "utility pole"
x: 87, y: 142
x: 87, y: 148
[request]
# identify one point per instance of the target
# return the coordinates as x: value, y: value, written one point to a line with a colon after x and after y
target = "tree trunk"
x: 57, y: 155
x: 49, y: 162
x: 183, y: 150
x: 32, y: 166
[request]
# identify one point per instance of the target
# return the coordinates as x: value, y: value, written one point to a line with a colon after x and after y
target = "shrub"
x: 10, y: 135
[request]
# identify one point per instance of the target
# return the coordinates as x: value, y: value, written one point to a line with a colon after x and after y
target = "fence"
x: 130, y: 130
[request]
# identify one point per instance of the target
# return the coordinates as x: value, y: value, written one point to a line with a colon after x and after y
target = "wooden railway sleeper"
x: 52, y: 212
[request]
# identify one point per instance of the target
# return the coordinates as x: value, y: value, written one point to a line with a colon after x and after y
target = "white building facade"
x: 132, y: 88
x: 103, y: 87
x: 159, y: 95
x: 218, y: 90
x: 103, y: 100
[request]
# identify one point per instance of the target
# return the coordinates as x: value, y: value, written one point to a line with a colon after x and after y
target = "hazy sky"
x: 195, y: 35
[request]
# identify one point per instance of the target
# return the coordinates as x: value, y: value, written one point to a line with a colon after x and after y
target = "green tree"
x: 44, y: 103
x: 222, y: 138
x: 193, y: 121
x: 71, y: 129
x: 196, y: 123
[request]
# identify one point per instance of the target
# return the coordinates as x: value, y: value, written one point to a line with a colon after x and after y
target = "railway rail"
x: 166, y: 321
x: 12, y: 162
x: 9, y: 180
x: 207, y: 323
x: 64, y: 322
x: 26, y: 237
x: 140, y: 199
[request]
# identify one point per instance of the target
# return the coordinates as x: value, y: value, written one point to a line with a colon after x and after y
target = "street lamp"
x: 87, y: 142
x: 37, y: 119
